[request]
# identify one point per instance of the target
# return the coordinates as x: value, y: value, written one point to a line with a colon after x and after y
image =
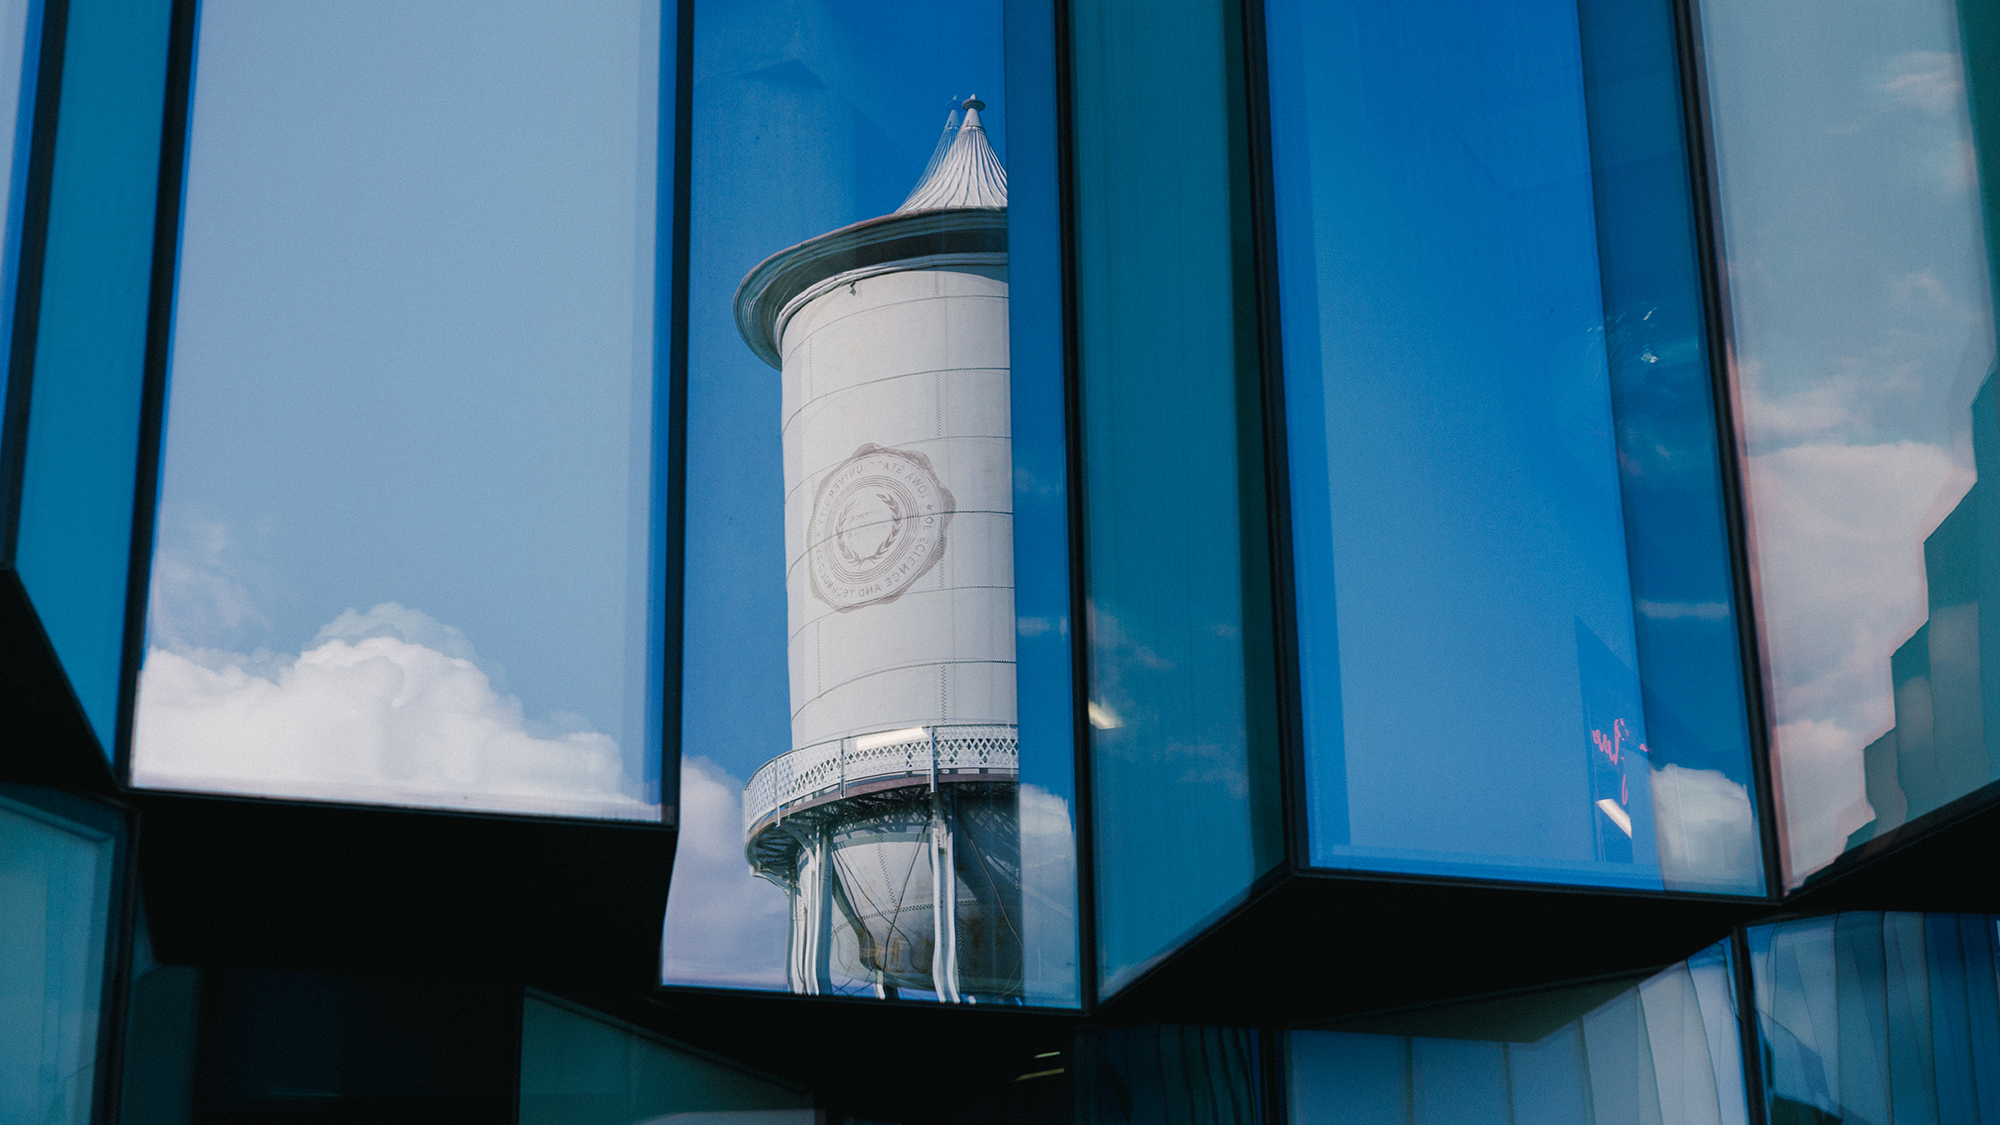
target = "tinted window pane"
x: 1667, y: 1049
x: 407, y: 542
x: 73, y: 546
x: 577, y: 1069
x: 1183, y: 760
x: 1859, y: 294
x: 1879, y: 1017
x: 876, y: 681
x: 1516, y: 629
x: 55, y: 894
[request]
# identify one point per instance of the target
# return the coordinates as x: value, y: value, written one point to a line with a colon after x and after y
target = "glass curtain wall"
x: 1666, y: 1050
x: 1882, y: 1018
x: 1183, y: 735
x: 876, y: 721
x: 409, y: 544
x: 55, y: 903
x: 578, y: 1068
x: 1517, y: 638
x: 1859, y: 291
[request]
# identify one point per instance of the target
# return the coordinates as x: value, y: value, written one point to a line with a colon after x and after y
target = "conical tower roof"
x: 958, y: 212
x: 969, y: 175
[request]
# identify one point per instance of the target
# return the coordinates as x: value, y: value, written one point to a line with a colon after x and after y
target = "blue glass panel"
x: 55, y: 897
x: 1183, y: 770
x: 876, y: 509
x: 581, y: 1069
x: 409, y: 547
x: 1665, y: 1049
x: 20, y: 63
x: 1847, y: 168
x: 1879, y: 1017
x: 74, y: 546
x: 1494, y: 368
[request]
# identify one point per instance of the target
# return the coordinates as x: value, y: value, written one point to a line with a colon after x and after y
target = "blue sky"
x: 412, y: 360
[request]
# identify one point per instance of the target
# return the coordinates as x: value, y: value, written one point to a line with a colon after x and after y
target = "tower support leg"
x: 808, y: 965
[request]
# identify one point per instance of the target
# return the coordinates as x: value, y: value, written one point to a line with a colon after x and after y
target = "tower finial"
x: 965, y: 173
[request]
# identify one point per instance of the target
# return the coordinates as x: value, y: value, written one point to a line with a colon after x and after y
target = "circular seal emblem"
x: 877, y: 525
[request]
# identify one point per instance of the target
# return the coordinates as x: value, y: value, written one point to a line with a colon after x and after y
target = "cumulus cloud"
x: 1821, y: 793
x: 1840, y: 531
x: 725, y: 925
x: 1707, y: 835
x: 385, y: 706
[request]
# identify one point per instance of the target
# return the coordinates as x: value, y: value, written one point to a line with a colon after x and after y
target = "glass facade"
x: 1884, y: 1018
x: 1666, y: 1050
x: 1183, y: 760
x: 578, y: 1068
x: 875, y: 726
x: 78, y: 447
x: 56, y: 891
x: 1507, y: 522
x: 1859, y: 295
x: 1263, y: 538
x: 409, y: 544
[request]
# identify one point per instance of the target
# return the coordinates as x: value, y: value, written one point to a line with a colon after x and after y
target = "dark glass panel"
x: 578, y: 1068
x: 1183, y: 747
x: 55, y: 905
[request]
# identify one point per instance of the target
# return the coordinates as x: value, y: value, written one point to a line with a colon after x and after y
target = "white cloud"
x: 1707, y: 835
x: 1839, y: 537
x: 1820, y: 794
x: 1932, y: 81
x: 725, y: 925
x: 388, y: 707
x: 200, y: 591
x: 1048, y: 898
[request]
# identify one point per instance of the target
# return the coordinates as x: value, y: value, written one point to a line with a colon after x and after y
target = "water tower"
x: 892, y: 822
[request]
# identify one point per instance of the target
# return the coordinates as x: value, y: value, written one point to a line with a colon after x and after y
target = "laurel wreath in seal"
x: 839, y: 569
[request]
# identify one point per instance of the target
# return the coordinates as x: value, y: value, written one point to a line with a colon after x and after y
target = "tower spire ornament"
x: 969, y: 175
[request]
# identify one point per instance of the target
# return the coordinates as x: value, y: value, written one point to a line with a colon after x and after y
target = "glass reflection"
x: 1666, y: 1049
x: 1863, y: 352
x: 55, y: 897
x: 406, y: 528
x: 852, y: 622
x: 1879, y: 1018
x: 1505, y: 496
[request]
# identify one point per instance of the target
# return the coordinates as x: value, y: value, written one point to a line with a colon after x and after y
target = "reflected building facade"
x: 891, y: 823
x: 1939, y: 747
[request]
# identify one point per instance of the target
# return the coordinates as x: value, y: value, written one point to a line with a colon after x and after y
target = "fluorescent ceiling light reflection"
x: 1618, y: 816
x: 891, y: 737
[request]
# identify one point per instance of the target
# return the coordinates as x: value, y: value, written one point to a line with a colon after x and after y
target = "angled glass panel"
x: 55, y: 903
x: 73, y: 533
x: 578, y: 1068
x: 1666, y: 1050
x: 1884, y: 1018
x: 1183, y: 750
x: 1860, y: 297
x: 1517, y: 634
x: 876, y: 719
x: 409, y: 535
